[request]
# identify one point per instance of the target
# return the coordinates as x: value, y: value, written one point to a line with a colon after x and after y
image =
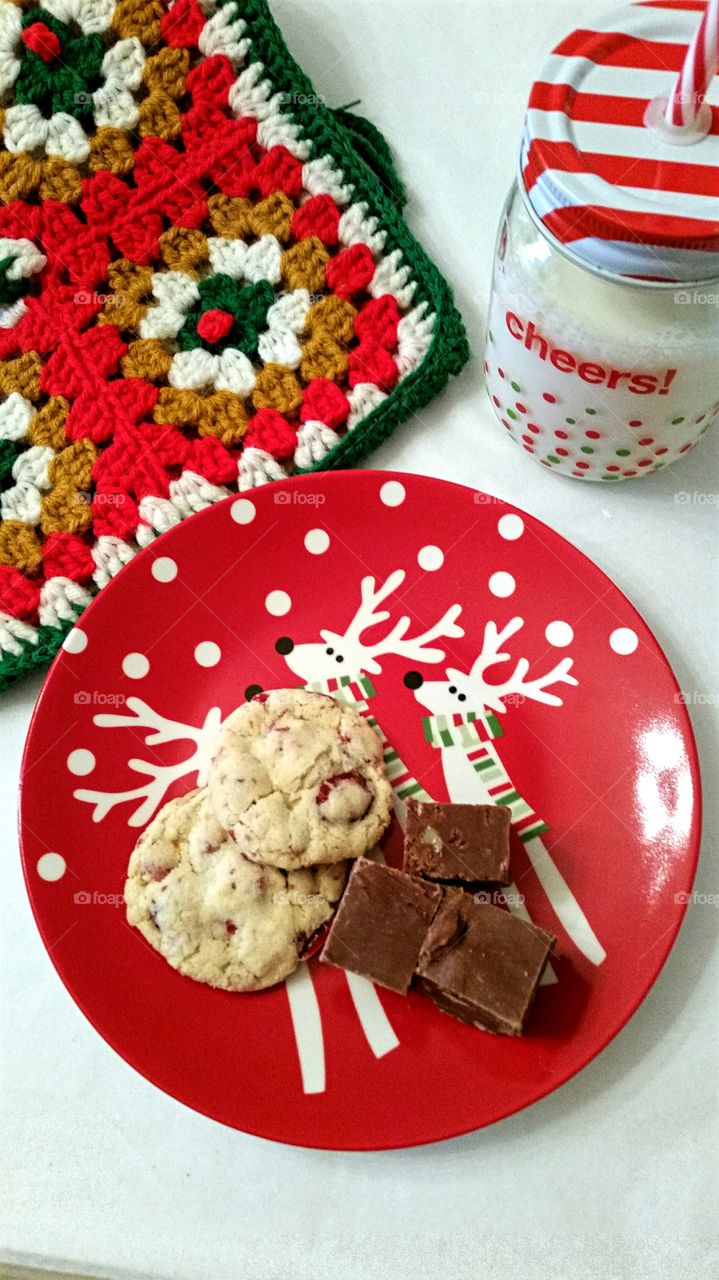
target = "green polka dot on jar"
x: 572, y: 421
x: 676, y: 421
x: 587, y: 448
x: 515, y: 386
x: 623, y: 453
x: 591, y: 412
x: 552, y: 457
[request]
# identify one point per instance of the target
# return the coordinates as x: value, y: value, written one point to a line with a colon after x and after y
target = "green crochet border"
x: 355, y: 145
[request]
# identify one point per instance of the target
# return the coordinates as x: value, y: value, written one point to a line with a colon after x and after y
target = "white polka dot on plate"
x: 51, y: 866
x: 502, y: 584
x: 510, y: 527
x: 135, y: 666
x: 207, y: 653
x: 623, y: 640
x: 81, y: 762
x: 164, y: 569
x: 243, y: 511
x: 392, y: 493
x: 278, y: 603
x: 559, y: 634
x: 430, y: 558
x: 317, y: 541
x: 75, y: 641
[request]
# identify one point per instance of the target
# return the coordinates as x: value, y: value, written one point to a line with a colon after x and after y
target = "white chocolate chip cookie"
x: 298, y: 779
x: 214, y: 915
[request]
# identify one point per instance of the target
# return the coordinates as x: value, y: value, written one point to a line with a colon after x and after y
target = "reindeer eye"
x: 339, y: 658
x: 329, y: 651
x: 462, y: 697
x: 452, y: 688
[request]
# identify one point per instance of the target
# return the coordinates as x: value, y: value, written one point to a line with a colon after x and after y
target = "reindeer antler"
x: 368, y: 615
x: 157, y: 730
x: 516, y: 682
x: 416, y: 646
x: 371, y: 595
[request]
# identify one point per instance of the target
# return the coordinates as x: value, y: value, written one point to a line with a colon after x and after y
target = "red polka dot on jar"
x: 500, y: 372
x: 550, y: 399
x: 613, y: 467
x: 582, y: 466
x: 701, y: 419
x: 644, y: 462
x: 664, y: 449
x: 593, y: 435
x: 629, y: 473
x: 528, y: 447
x: 486, y: 367
x: 636, y: 422
x: 686, y: 447
x: 563, y: 453
x: 532, y: 426
x: 646, y: 440
x: 506, y: 424
x: 521, y: 408
x: 562, y: 435
x: 496, y: 402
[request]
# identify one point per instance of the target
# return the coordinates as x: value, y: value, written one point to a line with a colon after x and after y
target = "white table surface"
x: 617, y: 1173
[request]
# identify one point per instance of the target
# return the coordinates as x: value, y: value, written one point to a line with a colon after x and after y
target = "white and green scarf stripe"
x: 463, y: 729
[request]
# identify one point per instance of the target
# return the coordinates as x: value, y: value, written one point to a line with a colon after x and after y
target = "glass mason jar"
x: 597, y: 376
x: 602, y: 356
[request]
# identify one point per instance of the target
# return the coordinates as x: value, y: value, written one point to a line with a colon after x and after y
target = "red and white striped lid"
x: 616, y: 194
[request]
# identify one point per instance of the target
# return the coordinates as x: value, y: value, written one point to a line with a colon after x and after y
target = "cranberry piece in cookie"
x: 344, y: 798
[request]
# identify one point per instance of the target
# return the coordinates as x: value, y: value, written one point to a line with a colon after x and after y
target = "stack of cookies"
x: 231, y: 882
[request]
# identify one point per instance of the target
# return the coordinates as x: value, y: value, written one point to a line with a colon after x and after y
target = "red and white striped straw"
x: 700, y: 67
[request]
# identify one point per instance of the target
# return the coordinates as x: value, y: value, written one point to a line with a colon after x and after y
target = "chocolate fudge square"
x: 465, y: 842
x: 381, y: 924
x: 482, y: 964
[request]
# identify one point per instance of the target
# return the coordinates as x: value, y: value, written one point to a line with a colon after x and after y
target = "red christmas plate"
x: 498, y: 661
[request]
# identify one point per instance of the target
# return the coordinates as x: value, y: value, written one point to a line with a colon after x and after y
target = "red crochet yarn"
x: 323, y: 401
x: 269, y: 430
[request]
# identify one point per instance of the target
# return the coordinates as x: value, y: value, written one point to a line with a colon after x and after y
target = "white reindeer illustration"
x: 337, y: 657
x: 464, y: 727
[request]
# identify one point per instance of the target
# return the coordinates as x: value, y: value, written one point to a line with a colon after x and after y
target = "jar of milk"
x: 602, y: 357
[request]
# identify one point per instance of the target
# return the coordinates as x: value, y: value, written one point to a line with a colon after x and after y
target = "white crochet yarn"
x: 250, y: 95
x: 113, y: 103
x: 28, y: 259
x: 230, y: 370
x: 192, y: 493
x: 289, y: 311
x: 16, y: 414
x: 157, y: 515
x: 24, y: 500
x: 356, y: 226
x: 91, y: 16
x: 11, y: 313
x: 227, y: 256
x: 321, y: 177
x: 263, y: 261
x: 278, y: 130
x: 257, y: 467
x: 363, y: 399
x: 223, y: 34
x: 414, y: 335
x: 10, y: 32
x: 314, y: 441
x: 110, y: 555
x: 61, y: 600
x: 391, y: 277
x: 176, y: 294
x: 15, y: 634
x: 280, y: 346
x: 26, y: 129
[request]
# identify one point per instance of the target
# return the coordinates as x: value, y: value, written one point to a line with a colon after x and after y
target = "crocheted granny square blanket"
x: 205, y: 284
